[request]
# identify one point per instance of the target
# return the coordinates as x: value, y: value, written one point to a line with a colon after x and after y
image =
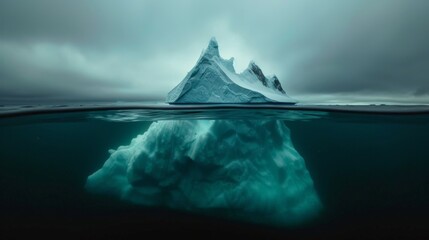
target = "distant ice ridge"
x: 214, y: 80
x: 242, y: 169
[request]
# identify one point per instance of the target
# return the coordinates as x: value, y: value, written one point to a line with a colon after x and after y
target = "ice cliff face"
x: 243, y: 169
x: 214, y: 80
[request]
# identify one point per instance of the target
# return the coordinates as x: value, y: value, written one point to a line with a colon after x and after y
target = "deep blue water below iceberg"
x: 354, y: 172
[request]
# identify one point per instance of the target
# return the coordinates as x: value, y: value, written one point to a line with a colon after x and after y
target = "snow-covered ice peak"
x: 213, y: 48
x: 214, y: 80
x: 276, y: 84
x: 255, y: 69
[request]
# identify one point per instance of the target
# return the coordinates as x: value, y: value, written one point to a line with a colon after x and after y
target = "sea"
x: 369, y: 166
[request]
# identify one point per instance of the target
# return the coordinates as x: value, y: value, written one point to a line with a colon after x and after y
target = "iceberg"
x: 240, y: 169
x: 214, y: 80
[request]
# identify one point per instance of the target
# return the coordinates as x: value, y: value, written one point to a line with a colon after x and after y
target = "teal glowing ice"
x: 246, y: 170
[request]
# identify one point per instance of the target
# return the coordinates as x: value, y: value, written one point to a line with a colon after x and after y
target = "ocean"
x: 369, y: 167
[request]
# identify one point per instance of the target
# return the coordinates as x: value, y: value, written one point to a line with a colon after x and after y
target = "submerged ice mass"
x: 214, y: 80
x: 243, y: 169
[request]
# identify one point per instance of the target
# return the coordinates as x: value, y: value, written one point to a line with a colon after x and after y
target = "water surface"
x: 369, y: 167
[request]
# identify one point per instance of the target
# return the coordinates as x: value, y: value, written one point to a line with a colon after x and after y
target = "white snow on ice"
x: 214, y: 80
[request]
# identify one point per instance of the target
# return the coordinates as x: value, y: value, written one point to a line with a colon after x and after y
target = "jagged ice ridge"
x: 214, y: 80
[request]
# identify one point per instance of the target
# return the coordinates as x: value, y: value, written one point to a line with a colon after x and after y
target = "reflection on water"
x: 208, y: 114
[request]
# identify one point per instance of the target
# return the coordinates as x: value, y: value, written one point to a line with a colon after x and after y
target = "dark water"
x: 370, y: 171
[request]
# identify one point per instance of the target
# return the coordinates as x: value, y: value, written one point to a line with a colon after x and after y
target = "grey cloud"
x: 126, y: 50
x: 99, y: 24
x: 350, y: 46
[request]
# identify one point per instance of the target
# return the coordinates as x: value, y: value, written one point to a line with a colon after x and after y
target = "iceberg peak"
x: 276, y: 83
x: 214, y: 80
x: 213, y: 48
x: 255, y: 69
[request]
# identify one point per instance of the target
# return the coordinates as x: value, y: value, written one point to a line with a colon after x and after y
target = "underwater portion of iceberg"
x: 246, y: 170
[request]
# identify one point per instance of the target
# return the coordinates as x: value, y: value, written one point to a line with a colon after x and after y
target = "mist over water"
x: 369, y: 172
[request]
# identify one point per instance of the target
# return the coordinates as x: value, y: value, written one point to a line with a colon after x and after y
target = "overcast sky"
x: 330, y: 50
